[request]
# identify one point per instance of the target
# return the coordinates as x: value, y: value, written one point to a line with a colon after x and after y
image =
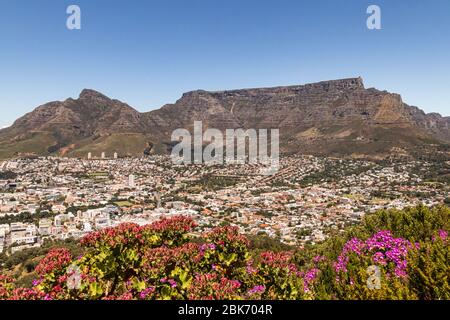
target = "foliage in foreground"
x: 391, y: 255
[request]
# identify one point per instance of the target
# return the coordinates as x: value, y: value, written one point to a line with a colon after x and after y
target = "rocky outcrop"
x: 330, y: 117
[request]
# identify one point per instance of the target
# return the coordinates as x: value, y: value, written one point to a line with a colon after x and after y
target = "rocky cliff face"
x: 339, y: 117
x: 291, y: 108
x: 280, y: 107
x: 433, y: 123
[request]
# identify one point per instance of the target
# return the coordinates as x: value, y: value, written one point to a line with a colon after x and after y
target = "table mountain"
x: 338, y: 117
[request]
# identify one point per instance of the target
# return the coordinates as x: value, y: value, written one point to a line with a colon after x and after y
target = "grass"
x: 37, y: 143
x: 122, y: 204
x: 124, y: 144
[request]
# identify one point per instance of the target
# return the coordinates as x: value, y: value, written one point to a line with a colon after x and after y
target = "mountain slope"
x: 64, y: 126
x: 338, y: 117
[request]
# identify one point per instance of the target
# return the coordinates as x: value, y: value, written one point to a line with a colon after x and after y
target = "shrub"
x: 392, y: 255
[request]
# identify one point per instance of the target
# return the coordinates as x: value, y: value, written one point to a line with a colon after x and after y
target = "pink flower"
x: 442, y: 234
x: 309, y: 277
x: 379, y: 258
x: 384, y: 249
x: 257, y: 289
x: 318, y: 259
x: 250, y: 269
x: 172, y: 283
x: 36, y: 282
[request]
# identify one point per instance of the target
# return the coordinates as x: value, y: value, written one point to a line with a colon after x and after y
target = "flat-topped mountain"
x: 339, y: 117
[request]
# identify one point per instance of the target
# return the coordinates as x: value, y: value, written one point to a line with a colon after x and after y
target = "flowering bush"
x: 381, y: 252
x: 172, y: 231
x: 211, y: 286
x: 384, y: 249
x: 225, y: 251
x: 429, y: 268
x: 6, y: 286
x: 8, y: 291
x: 280, y: 275
x: 120, y: 262
x: 159, y: 261
x: 55, y: 261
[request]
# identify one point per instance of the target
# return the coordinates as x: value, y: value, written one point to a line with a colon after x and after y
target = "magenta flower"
x: 172, y: 283
x: 318, y: 259
x: 383, y: 248
x: 257, y: 289
x: 146, y: 292
x: 309, y: 277
x: 36, y: 282
x: 379, y: 258
x: 250, y: 269
x: 442, y: 234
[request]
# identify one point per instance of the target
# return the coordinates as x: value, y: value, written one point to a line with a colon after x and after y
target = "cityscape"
x: 303, y: 202
x: 224, y: 157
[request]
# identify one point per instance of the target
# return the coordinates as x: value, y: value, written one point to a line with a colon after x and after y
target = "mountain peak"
x: 90, y: 93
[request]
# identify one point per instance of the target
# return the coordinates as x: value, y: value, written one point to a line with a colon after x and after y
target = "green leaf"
x: 95, y: 290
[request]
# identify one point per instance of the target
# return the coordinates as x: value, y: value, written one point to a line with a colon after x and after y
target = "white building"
x: 45, y: 227
x: 131, y: 182
x: 23, y: 234
x: 60, y: 219
x: 2, y: 239
x: 102, y: 221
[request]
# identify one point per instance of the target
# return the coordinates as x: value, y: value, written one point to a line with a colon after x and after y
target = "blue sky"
x: 147, y: 53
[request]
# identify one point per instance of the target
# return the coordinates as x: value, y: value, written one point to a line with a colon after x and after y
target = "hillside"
x: 339, y: 117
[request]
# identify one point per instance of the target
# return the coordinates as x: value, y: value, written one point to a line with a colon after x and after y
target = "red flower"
x: 56, y: 259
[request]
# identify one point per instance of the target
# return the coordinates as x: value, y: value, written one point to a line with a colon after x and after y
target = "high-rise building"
x: 131, y: 183
x: 158, y: 200
x: 89, y: 156
x: 103, y: 155
x: 115, y: 155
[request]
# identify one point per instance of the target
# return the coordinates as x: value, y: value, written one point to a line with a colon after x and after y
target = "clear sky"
x: 147, y: 53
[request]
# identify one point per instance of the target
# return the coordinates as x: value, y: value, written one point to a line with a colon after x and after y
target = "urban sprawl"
x: 48, y: 198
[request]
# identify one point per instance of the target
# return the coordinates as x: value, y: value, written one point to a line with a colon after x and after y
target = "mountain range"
x: 335, y: 118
